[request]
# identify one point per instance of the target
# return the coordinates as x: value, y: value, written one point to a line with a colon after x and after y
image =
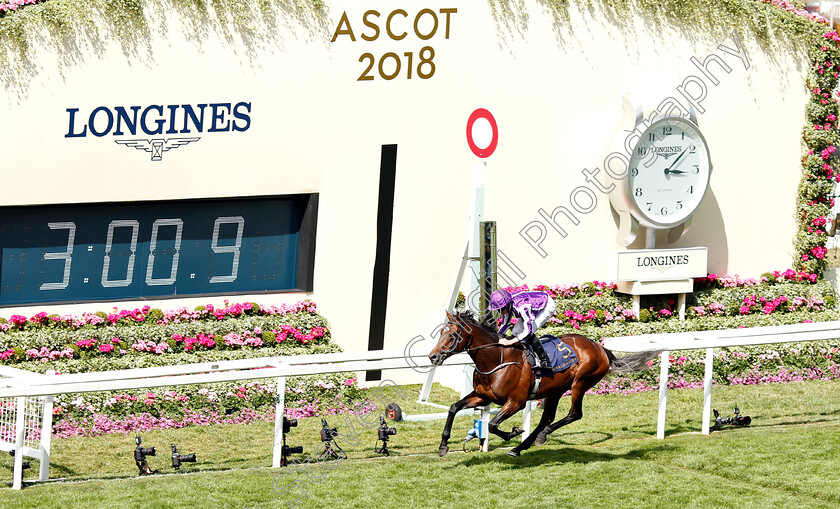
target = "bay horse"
x: 504, y: 376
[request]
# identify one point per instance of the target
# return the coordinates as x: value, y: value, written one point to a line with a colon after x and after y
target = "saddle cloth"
x: 560, y: 354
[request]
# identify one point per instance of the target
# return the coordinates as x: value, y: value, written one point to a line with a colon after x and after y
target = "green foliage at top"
x: 72, y: 29
x: 769, y: 24
x: 67, y: 20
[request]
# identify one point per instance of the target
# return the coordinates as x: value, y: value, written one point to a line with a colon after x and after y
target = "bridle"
x: 469, y: 348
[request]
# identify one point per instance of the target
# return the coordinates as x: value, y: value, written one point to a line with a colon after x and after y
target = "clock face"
x: 669, y: 172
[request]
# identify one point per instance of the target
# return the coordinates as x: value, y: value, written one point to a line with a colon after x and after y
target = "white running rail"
x: 709, y: 340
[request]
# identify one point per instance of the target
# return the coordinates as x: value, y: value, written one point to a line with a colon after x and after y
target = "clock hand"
x: 676, y: 172
x: 668, y: 169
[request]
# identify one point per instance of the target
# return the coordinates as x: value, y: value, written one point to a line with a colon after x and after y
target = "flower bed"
x: 774, y: 298
x: 147, y: 337
x: 13, y: 5
x: 243, y: 327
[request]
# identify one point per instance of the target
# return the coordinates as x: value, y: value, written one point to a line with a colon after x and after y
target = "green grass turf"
x: 789, y: 456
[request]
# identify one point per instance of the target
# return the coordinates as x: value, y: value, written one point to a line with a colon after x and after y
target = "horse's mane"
x: 487, y: 325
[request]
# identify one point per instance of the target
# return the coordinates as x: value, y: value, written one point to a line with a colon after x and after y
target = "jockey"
x: 532, y: 310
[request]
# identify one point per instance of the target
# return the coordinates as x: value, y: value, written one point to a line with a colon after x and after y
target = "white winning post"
x: 482, y: 138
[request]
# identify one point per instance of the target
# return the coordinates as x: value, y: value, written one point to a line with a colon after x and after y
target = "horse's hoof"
x: 540, y: 440
x: 443, y: 450
x: 513, y: 452
x: 515, y: 432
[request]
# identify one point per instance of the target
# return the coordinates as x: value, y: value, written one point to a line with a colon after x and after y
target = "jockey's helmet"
x: 499, y: 299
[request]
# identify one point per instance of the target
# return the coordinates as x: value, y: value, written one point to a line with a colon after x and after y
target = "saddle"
x: 561, y: 355
x: 559, y: 352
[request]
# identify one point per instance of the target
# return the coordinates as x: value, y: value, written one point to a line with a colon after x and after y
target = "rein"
x: 501, y: 356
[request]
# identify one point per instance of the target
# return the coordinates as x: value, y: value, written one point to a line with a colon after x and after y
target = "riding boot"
x: 542, y: 357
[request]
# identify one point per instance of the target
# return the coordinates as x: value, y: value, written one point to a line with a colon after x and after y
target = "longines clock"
x: 668, y: 176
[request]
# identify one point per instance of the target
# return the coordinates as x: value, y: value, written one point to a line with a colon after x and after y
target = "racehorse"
x: 504, y: 376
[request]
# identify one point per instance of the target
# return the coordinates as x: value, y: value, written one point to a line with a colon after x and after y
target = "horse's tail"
x: 636, y: 361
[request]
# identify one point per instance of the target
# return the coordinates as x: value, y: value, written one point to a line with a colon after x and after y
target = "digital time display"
x: 156, y: 249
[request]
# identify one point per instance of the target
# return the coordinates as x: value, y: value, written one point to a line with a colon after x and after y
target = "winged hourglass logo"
x: 157, y: 146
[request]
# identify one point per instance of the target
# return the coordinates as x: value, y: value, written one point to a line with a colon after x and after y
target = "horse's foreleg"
x: 508, y: 409
x: 471, y: 400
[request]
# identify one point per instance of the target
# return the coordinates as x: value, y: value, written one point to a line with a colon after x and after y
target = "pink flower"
x: 819, y: 252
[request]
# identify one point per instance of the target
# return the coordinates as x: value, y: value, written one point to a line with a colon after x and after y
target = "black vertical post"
x: 487, y: 279
x: 382, y: 263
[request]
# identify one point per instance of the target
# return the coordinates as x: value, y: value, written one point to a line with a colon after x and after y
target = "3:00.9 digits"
x: 107, y: 282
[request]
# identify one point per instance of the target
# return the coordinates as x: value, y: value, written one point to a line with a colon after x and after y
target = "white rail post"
x: 663, y: 393
x: 427, y: 386
x: 485, y: 424
x: 20, y: 429
x: 526, y: 419
x: 279, y: 409
x: 46, y: 435
x: 469, y: 372
x: 707, y: 389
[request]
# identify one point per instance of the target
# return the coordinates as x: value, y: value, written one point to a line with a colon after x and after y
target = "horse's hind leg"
x: 549, y: 411
x: 471, y: 400
x: 508, y: 409
x: 579, y: 388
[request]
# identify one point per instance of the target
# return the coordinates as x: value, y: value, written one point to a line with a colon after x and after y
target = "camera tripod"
x: 381, y: 450
x: 331, y: 451
x: 140, y: 454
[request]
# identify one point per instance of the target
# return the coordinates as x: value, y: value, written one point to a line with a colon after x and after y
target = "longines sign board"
x: 661, y: 264
x: 126, y: 122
